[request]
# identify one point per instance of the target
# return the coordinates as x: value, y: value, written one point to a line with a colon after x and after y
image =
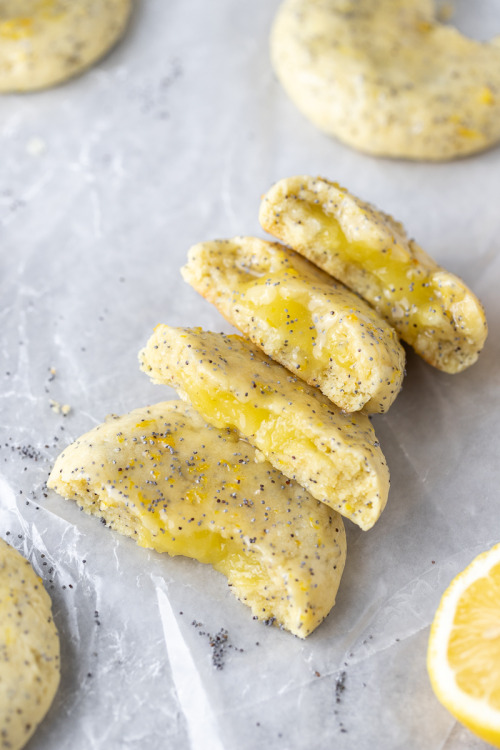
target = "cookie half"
x: 164, y: 477
x: 432, y: 310
x: 232, y: 383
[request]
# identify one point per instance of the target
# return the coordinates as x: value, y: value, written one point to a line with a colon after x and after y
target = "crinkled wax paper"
x: 105, y: 182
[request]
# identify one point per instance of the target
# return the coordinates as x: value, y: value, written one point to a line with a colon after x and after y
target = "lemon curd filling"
x: 293, y: 451
x: 403, y: 286
x: 310, y: 336
x: 152, y: 529
x: 223, y: 409
x: 244, y: 570
x: 421, y: 303
x: 313, y: 341
x: 177, y: 485
x: 290, y: 318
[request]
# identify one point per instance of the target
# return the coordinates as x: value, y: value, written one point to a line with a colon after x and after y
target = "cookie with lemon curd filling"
x: 431, y: 309
x: 232, y: 383
x: 317, y: 328
x: 45, y: 42
x: 164, y: 477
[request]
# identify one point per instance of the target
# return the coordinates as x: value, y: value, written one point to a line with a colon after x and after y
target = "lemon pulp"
x: 474, y: 647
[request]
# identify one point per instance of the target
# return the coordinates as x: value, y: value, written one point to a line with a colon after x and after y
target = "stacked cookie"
x: 274, y: 444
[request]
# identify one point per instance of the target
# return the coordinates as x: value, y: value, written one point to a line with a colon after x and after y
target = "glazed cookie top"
x: 45, y: 42
x: 232, y: 383
x: 387, y: 78
x: 302, y: 318
x: 29, y: 649
x: 161, y: 475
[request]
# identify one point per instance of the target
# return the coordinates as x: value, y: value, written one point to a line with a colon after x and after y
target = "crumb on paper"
x: 36, y: 146
x: 58, y: 408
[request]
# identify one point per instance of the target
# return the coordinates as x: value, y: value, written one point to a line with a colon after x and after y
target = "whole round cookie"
x: 45, y: 42
x: 387, y: 78
x: 29, y: 650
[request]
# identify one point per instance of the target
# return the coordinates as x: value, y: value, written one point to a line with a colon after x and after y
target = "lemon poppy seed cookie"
x: 431, y: 309
x: 232, y: 383
x: 45, y: 42
x: 164, y: 477
x: 386, y: 77
x: 316, y: 328
x: 29, y: 650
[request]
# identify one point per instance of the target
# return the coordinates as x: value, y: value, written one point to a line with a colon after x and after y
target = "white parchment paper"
x: 105, y: 183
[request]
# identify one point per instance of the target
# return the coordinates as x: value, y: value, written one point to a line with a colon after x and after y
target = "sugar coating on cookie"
x: 164, y: 477
x: 431, y: 309
x: 29, y: 650
x: 300, y: 317
x: 45, y: 42
x: 232, y: 383
x: 386, y: 77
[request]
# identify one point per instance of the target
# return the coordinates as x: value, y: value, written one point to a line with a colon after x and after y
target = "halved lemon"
x: 463, y: 658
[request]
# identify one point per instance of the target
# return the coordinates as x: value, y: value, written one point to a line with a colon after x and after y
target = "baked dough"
x: 387, y: 78
x: 29, y: 650
x: 45, y: 42
x: 232, y: 383
x: 431, y: 309
x: 174, y: 484
x: 316, y: 328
